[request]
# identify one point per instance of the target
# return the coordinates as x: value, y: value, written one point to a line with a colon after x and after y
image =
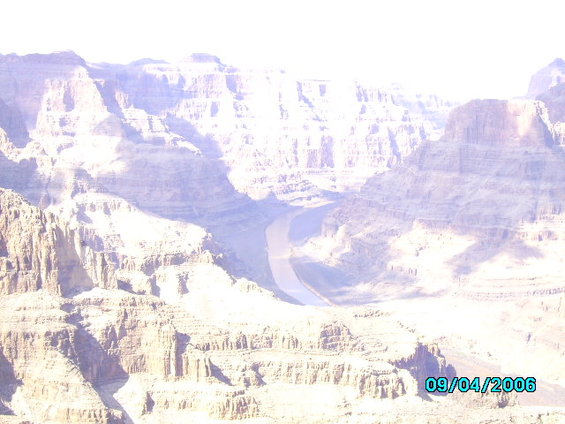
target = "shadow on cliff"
x: 102, y: 370
x: 192, y: 187
x: 187, y: 195
x: 12, y: 122
x: 8, y: 384
x: 175, y: 183
x: 218, y: 374
x: 424, y: 364
x: 16, y: 175
x: 440, y: 187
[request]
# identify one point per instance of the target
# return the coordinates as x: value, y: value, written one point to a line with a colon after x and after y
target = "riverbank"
x: 279, y: 248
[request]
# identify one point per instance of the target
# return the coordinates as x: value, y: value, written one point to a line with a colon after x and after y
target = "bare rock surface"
x: 318, y: 135
x: 223, y: 350
x: 195, y: 141
x: 39, y: 252
x: 547, y: 77
x: 199, y: 353
x: 202, y: 116
x: 464, y: 239
x: 121, y: 301
x: 553, y: 96
x: 554, y: 99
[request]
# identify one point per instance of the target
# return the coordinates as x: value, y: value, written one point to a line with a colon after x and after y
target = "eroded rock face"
x: 469, y: 225
x: 500, y: 123
x: 195, y: 141
x: 552, y: 75
x: 496, y: 178
x: 316, y: 134
x: 120, y: 309
x: 84, y: 140
x: 554, y: 99
x: 430, y: 108
x: 552, y: 94
x: 188, y: 142
x: 39, y: 252
x: 178, y: 125
x: 42, y: 353
x: 71, y: 341
x: 12, y: 123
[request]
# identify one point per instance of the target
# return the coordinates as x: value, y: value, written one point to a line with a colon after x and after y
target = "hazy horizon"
x: 197, y: 244
x: 475, y: 49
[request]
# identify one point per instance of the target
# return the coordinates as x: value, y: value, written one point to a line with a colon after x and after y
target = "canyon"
x: 464, y: 240
x: 193, y: 242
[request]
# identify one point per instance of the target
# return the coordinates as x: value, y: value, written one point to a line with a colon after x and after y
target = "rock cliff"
x: 207, y: 119
x: 496, y: 178
x: 318, y: 135
x: 119, y: 304
x: 554, y: 99
x: 76, y: 348
x: 551, y: 91
x: 547, y: 77
x: 39, y: 252
x: 195, y: 141
x: 476, y: 216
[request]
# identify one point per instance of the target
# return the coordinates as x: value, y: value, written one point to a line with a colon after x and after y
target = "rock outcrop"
x: 316, y: 134
x: 476, y: 216
x: 547, y: 77
x: 120, y: 304
x: 500, y: 124
x: 71, y: 340
x: 554, y: 99
x: 496, y: 178
x: 38, y: 251
x: 431, y: 109
x: 550, y: 83
x: 199, y: 116
x: 195, y: 141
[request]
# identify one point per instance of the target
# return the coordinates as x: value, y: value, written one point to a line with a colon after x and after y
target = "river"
x: 279, y: 250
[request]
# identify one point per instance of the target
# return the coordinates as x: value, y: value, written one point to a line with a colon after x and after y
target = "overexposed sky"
x: 478, y: 48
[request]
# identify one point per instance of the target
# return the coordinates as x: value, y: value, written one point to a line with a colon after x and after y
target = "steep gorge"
x: 68, y: 350
x: 120, y: 300
x: 470, y: 227
x: 195, y: 141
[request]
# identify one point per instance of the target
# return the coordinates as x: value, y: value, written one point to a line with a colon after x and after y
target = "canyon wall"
x: 473, y: 226
x: 197, y: 142
x: 76, y: 348
x: 119, y: 303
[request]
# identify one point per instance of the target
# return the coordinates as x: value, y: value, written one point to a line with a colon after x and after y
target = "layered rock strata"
x: 492, y: 188
x: 104, y: 355
x: 470, y: 226
x: 123, y: 308
x: 37, y: 252
x: 318, y: 135
x: 188, y: 141
x: 551, y: 91
x: 546, y: 78
x: 70, y: 343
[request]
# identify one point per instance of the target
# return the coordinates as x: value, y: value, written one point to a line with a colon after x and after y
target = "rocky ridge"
x: 552, y: 93
x: 546, y: 78
x: 95, y: 340
x: 494, y: 154
x: 38, y: 252
x: 122, y: 305
x: 319, y: 135
x: 194, y: 141
x: 470, y: 225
